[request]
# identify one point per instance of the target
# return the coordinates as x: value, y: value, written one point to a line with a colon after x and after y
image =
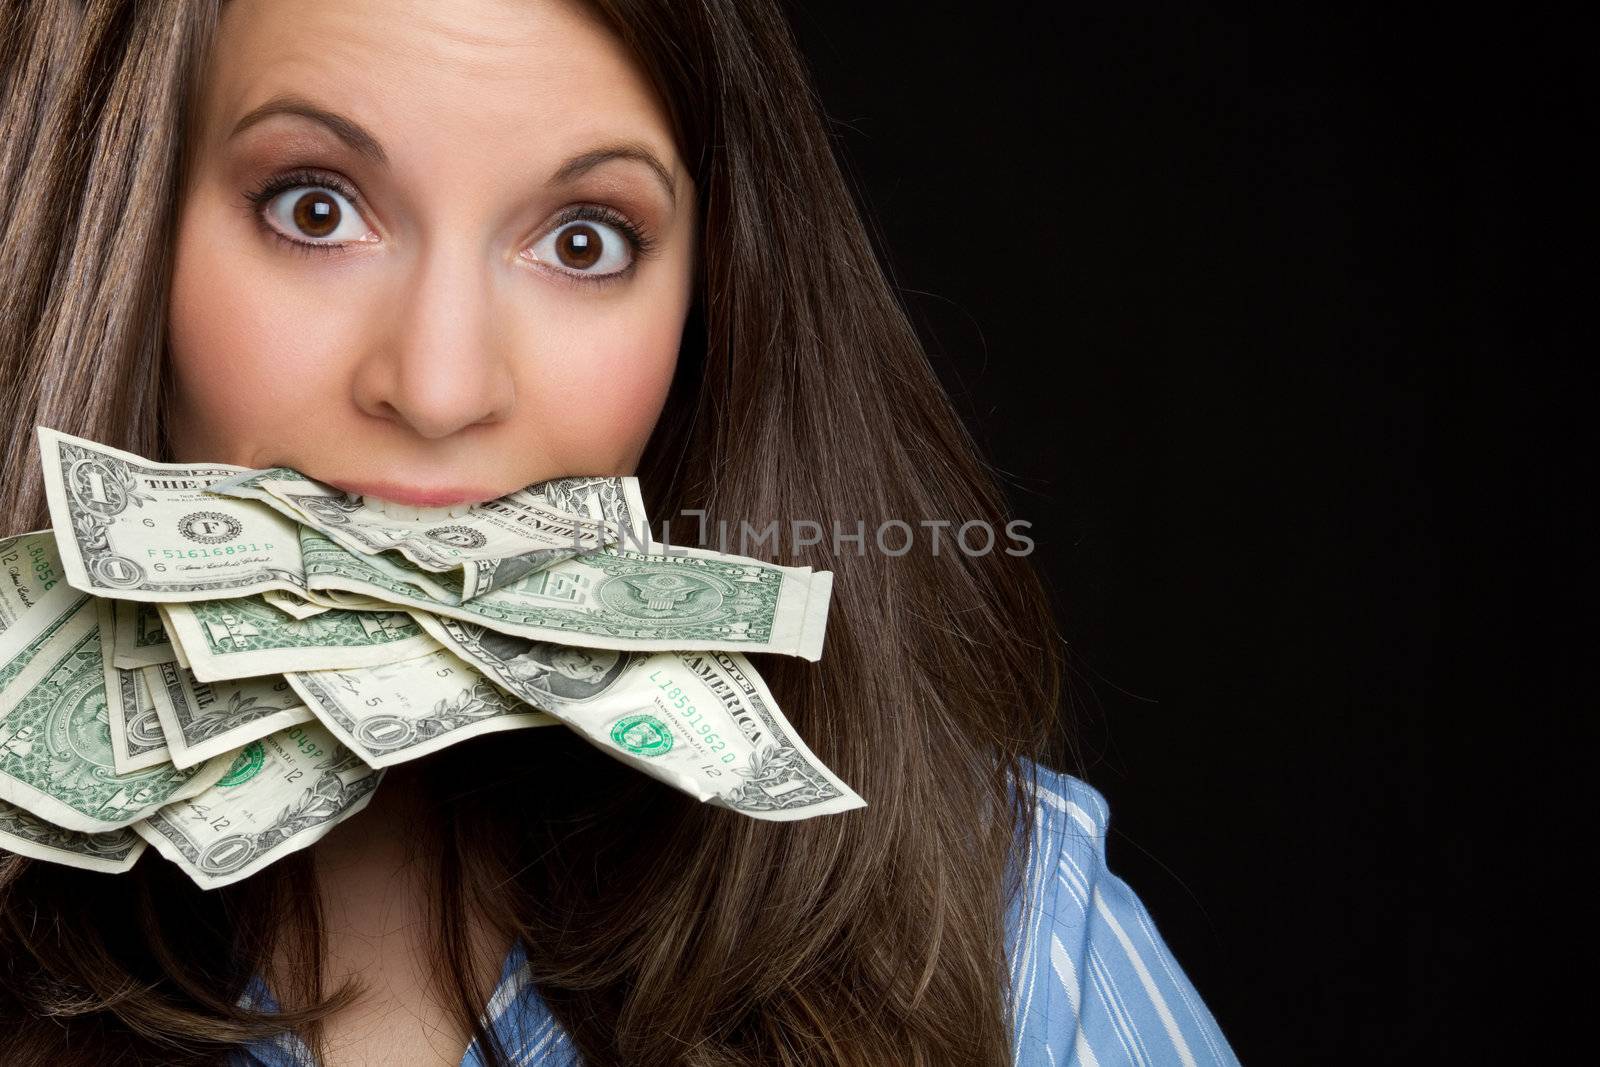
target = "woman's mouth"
x: 410, y: 503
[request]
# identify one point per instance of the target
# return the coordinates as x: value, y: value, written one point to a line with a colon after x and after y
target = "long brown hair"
x: 659, y: 930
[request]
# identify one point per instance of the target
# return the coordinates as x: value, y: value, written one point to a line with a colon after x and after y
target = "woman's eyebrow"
x: 349, y: 131
x: 634, y: 150
x: 356, y: 136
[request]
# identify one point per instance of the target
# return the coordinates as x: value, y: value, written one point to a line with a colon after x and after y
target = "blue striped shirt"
x: 1092, y: 982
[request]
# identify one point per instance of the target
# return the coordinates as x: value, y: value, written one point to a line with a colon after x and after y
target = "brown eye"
x: 317, y: 214
x: 312, y: 214
x: 586, y: 247
x: 579, y: 246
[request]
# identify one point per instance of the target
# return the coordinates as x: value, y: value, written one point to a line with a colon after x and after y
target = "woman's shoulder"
x: 1092, y: 979
x: 1070, y: 818
x: 1067, y: 795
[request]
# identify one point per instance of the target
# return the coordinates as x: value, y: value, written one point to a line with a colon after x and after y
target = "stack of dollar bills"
x: 221, y: 662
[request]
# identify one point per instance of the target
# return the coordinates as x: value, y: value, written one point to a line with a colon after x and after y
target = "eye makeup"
x: 257, y: 199
x: 641, y: 244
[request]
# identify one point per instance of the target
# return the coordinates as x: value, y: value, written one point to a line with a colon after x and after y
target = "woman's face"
x: 404, y: 263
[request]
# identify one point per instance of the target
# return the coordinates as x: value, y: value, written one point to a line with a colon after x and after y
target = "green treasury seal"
x: 643, y: 735
x: 244, y: 767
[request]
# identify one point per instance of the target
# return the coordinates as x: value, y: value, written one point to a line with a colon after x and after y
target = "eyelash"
x: 642, y: 243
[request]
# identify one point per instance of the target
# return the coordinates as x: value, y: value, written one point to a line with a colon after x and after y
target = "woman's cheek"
x: 242, y: 362
x: 639, y: 370
x: 249, y: 344
x: 596, y: 394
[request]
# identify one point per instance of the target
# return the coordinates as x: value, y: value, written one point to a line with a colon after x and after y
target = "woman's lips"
x: 403, y: 497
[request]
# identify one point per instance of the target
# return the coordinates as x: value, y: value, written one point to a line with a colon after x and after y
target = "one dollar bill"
x: 137, y: 740
x: 247, y: 638
x: 110, y: 852
x: 205, y: 719
x: 491, y: 543
x: 621, y: 599
x: 702, y: 722
x: 398, y: 711
x: 30, y: 566
x: 279, y: 795
x: 132, y: 529
x: 56, y: 756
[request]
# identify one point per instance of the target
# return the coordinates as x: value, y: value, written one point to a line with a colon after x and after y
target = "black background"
x: 1227, y: 296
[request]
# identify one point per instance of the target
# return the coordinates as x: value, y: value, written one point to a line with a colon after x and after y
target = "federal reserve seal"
x: 457, y: 536
x: 209, y: 527
x: 643, y: 735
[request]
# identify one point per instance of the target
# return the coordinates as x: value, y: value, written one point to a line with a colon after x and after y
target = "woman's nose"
x: 441, y: 359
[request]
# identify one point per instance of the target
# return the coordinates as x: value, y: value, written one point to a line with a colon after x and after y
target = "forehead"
x: 466, y: 76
